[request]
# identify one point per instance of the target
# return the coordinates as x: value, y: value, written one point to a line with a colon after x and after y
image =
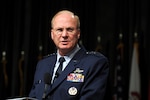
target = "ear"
x: 51, y: 34
x: 78, y: 34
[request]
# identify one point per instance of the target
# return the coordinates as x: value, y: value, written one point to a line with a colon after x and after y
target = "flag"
x: 134, y: 82
x: 118, y: 78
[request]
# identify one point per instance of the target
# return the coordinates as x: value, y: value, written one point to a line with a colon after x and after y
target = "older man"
x: 82, y: 75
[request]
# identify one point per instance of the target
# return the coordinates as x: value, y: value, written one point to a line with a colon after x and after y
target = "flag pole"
x: 98, y: 47
x: 21, y: 73
x: 118, y: 75
x: 40, y: 52
x: 4, y: 62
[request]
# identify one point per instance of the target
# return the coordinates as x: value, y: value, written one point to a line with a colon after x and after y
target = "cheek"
x: 75, y: 37
x: 54, y: 37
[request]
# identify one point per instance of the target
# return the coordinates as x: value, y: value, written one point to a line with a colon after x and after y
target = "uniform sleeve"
x: 37, y: 87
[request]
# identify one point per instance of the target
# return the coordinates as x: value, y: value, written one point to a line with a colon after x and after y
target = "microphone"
x: 47, y: 81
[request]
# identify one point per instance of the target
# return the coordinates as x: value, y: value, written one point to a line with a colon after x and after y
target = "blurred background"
x: 113, y: 27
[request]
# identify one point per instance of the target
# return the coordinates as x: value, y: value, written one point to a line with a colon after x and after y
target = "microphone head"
x: 47, y: 78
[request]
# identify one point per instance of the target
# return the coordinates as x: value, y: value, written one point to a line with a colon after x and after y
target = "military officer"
x: 82, y: 75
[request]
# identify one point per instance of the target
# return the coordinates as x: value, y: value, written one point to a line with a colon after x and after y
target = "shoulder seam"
x: 48, y: 55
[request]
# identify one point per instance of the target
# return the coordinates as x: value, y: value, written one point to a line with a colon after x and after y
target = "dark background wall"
x: 25, y: 25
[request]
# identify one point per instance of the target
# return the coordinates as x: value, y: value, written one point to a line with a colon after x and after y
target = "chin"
x: 65, y: 47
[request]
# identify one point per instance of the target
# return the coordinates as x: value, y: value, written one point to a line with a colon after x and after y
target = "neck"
x: 67, y: 52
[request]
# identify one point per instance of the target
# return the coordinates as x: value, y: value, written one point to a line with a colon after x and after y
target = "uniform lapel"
x: 51, y: 64
x: 69, y: 68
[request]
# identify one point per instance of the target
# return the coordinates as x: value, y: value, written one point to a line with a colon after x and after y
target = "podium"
x: 22, y: 98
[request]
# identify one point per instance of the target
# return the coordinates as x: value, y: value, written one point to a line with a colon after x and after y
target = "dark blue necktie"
x: 59, y: 70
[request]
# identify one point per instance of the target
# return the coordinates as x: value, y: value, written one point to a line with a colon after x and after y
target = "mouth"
x: 64, y: 42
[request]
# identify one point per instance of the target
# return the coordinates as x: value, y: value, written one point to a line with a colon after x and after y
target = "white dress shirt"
x: 67, y: 57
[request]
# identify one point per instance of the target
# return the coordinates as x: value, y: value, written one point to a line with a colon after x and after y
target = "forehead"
x: 64, y: 19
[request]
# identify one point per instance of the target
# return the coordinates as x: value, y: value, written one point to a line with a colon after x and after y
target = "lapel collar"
x: 69, y: 68
x: 51, y: 63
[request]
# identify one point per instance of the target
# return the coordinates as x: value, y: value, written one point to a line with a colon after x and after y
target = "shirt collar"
x: 70, y: 54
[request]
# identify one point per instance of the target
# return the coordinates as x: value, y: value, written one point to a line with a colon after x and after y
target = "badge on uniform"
x: 72, y: 91
x: 77, y: 76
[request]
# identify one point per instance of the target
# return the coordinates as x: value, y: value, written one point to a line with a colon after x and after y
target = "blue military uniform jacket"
x: 84, y: 78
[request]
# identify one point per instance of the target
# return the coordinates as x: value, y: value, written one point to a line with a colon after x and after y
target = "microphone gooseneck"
x: 47, y: 78
x: 47, y: 81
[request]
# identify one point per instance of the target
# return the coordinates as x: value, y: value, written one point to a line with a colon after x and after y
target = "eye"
x: 59, y: 30
x: 70, y: 29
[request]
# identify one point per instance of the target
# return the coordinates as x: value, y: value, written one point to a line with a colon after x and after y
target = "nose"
x: 64, y: 33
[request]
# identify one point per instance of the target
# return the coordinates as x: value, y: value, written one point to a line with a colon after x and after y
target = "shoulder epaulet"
x: 53, y: 54
x: 93, y: 53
